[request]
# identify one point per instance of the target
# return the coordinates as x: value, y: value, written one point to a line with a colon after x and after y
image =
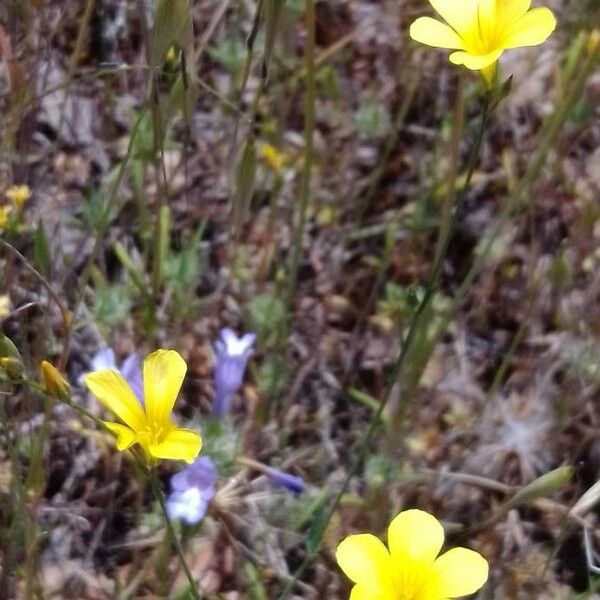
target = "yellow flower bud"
x: 593, y: 40
x: 12, y: 367
x: 55, y: 384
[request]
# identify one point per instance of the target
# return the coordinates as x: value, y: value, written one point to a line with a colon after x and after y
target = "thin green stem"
x: 309, y: 127
x: 446, y: 233
x: 550, y: 135
x: 101, y: 230
x: 161, y: 500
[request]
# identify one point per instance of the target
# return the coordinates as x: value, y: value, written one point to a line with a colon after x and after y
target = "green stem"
x: 552, y: 130
x: 161, y: 500
x: 100, y: 232
x: 309, y: 127
x: 446, y: 233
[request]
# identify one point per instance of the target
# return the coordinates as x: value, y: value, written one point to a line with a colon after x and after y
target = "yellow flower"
x: 481, y: 30
x: 56, y: 385
x: 273, y: 158
x: 4, y: 213
x: 18, y: 195
x: 149, y: 425
x: 411, y: 569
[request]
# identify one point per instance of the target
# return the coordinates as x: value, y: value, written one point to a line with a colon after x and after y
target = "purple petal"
x: 222, y: 404
x: 189, y: 506
x: 293, y: 483
x: 232, y: 358
x: 131, y: 369
x: 104, y: 359
x: 234, y: 345
x: 201, y: 474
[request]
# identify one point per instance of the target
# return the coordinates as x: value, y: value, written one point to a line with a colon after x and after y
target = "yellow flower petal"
x: 487, y: 19
x: 360, y: 592
x: 125, y: 435
x: 475, y: 62
x: 433, y: 33
x: 458, y: 572
x: 366, y: 561
x: 164, y: 371
x: 530, y: 30
x: 414, y: 536
x: 459, y: 15
x: 114, y: 393
x: 511, y: 10
x: 179, y: 444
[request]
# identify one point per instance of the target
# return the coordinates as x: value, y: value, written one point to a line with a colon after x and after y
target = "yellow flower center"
x: 153, y: 434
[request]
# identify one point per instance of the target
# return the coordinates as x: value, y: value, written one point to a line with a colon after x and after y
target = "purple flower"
x: 192, y: 490
x: 232, y: 357
x: 293, y: 483
x: 131, y: 369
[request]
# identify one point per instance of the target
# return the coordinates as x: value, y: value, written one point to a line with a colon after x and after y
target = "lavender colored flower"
x: 131, y: 368
x: 192, y: 490
x: 293, y: 483
x: 232, y: 357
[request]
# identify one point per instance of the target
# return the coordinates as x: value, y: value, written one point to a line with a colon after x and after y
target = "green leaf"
x: 8, y: 348
x: 169, y: 21
x: 319, y: 524
x: 112, y: 305
x: 162, y: 244
x: 245, y: 183
x: 267, y: 315
x: 543, y: 486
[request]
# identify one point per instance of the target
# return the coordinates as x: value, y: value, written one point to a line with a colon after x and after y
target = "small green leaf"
x: 543, y: 486
x: 317, y: 529
x: 134, y: 272
x: 245, y: 183
x: 8, y: 348
x: 162, y: 244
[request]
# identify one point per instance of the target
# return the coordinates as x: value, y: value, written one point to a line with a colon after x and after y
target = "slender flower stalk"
x: 481, y: 30
x: 149, y: 425
x: 411, y: 568
x: 310, y: 100
x: 195, y: 592
x: 446, y: 235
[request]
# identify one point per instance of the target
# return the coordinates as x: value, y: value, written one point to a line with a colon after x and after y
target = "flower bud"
x: 54, y: 383
x: 12, y: 367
